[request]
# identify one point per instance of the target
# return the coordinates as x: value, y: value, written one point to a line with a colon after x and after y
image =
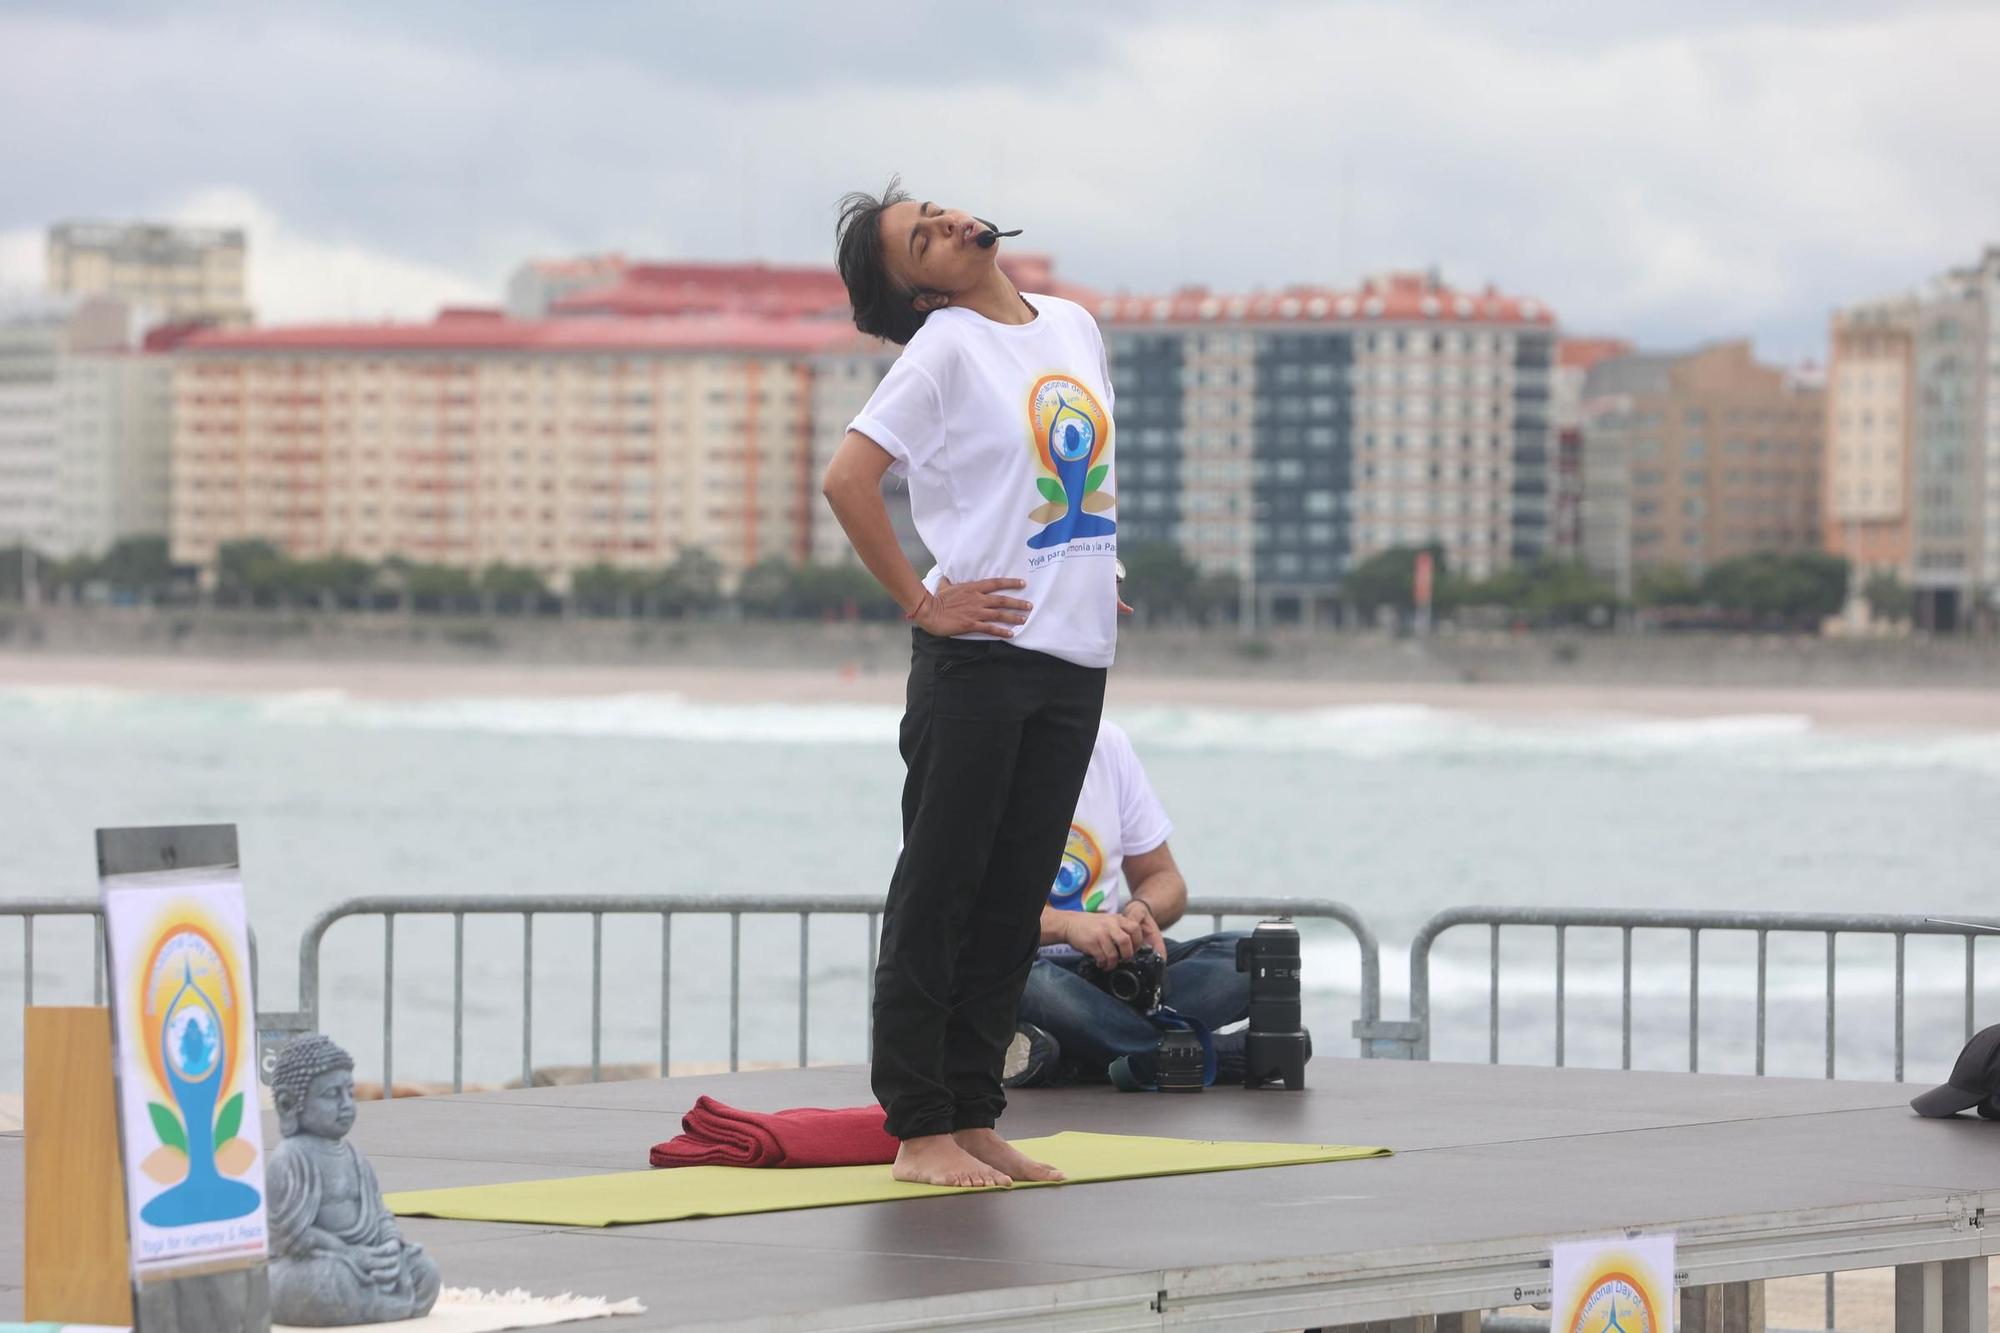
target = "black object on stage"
x: 1974, y: 1081
x: 986, y: 239
x: 1180, y: 1064
x: 1140, y: 981
x: 1276, y: 1046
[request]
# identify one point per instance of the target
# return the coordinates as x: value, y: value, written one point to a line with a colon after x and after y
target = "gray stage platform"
x: 1760, y: 1178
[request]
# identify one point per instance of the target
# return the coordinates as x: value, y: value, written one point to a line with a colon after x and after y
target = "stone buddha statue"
x: 336, y: 1255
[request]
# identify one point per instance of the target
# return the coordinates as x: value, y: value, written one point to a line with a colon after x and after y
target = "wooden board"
x: 77, y: 1268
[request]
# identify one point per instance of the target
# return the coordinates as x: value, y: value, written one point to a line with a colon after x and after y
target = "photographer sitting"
x: 1115, y: 893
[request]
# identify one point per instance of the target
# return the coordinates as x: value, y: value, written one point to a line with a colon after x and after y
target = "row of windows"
x: 1738, y: 536
x: 1866, y: 491
x: 429, y: 428
x: 1408, y: 342
x: 430, y: 401
x: 548, y: 367
x: 1696, y: 417
x: 1696, y: 478
x: 1414, y: 471
x: 1695, y: 449
x: 1424, y: 502
x: 460, y: 513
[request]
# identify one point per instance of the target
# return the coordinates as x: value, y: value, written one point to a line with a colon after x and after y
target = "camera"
x: 1180, y: 1064
x: 1140, y: 981
x: 1276, y: 1046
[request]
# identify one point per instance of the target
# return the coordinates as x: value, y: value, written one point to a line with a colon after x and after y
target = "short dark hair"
x: 882, y: 306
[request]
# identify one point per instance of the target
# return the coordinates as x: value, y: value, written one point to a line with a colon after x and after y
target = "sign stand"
x: 77, y: 1264
x: 228, y: 1296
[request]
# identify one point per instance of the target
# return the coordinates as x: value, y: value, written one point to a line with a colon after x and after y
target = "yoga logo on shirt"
x: 1069, y: 431
x: 1082, y: 863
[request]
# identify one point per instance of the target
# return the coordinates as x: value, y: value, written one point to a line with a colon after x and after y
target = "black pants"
x: 997, y: 740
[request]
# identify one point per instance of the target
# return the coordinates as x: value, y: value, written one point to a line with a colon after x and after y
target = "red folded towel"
x: 717, y: 1134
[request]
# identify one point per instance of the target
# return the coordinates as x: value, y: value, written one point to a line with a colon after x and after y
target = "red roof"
x: 584, y: 266
x: 1400, y: 297
x: 1583, y: 353
x: 166, y: 337
x: 777, y: 290
x: 484, y: 332
x: 686, y: 289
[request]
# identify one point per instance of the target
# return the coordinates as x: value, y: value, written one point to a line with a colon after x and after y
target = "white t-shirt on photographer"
x: 1118, y: 815
x: 1003, y: 433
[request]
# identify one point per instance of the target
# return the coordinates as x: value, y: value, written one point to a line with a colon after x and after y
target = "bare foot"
x: 990, y: 1148
x: 935, y: 1159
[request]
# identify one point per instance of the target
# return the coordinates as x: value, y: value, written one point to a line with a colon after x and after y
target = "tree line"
x: 257, y: 574
x: 1763, y: 590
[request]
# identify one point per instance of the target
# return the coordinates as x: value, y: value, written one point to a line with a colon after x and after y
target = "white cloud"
x: 1711, y: 172
x: 296, y: 277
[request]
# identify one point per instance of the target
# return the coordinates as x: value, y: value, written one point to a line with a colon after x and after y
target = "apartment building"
x: 1280, y: 436
x: 115, y: 409
x: 1693, y: 458
x: 1913, y: 435
x: 83, y: 428
x: 1870, y: 407
x: 1283, y: 437
x: 553, y: 444
x: 175, y: 273
x: 1574, y: 359
x: 843, y: 379
x: 30, y: 351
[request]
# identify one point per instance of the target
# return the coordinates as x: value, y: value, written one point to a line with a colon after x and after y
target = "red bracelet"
x: 918, y: 609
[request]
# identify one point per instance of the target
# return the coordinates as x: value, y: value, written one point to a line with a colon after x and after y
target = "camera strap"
x: 1169, y: 1019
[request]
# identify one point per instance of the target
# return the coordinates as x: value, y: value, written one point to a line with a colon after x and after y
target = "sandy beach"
x: 1958, y: 710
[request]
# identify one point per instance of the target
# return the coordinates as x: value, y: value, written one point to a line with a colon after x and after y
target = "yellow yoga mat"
x: 723, y: 1191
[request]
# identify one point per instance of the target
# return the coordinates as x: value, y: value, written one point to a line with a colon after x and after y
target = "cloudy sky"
x: 1669, y: 172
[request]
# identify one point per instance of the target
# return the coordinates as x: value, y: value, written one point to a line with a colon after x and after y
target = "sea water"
x: 1400, y: 811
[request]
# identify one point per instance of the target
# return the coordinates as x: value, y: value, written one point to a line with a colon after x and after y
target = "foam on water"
x: 1781, y: 741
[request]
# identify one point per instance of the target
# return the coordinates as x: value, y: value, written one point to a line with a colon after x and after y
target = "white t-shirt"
x: 1117, y: 816
x: 1003, y: 432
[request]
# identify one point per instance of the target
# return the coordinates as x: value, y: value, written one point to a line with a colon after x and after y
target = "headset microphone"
x: 986, y: 239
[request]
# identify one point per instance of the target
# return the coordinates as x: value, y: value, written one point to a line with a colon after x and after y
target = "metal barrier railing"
x: 1694, y: 923
x: 29, y: 910
x: 733, y: 906
x: 1764, y: 924
x: 596, y: 907
x: 1409, y: 1038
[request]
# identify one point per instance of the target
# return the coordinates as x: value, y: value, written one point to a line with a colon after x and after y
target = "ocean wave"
x: 1377, y: 732
x: 1788, y: 741
x: 648, y: 716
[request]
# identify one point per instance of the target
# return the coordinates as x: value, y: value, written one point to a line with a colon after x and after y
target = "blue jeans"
x: 1093, y: 1029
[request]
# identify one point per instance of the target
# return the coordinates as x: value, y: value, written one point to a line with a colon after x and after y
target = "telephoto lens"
x: 1276, y: 1047
x: 1180, y: 1065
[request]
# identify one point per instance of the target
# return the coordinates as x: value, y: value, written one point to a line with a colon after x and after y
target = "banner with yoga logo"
x: 1623, y: 1285
x: 186, y: 1033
